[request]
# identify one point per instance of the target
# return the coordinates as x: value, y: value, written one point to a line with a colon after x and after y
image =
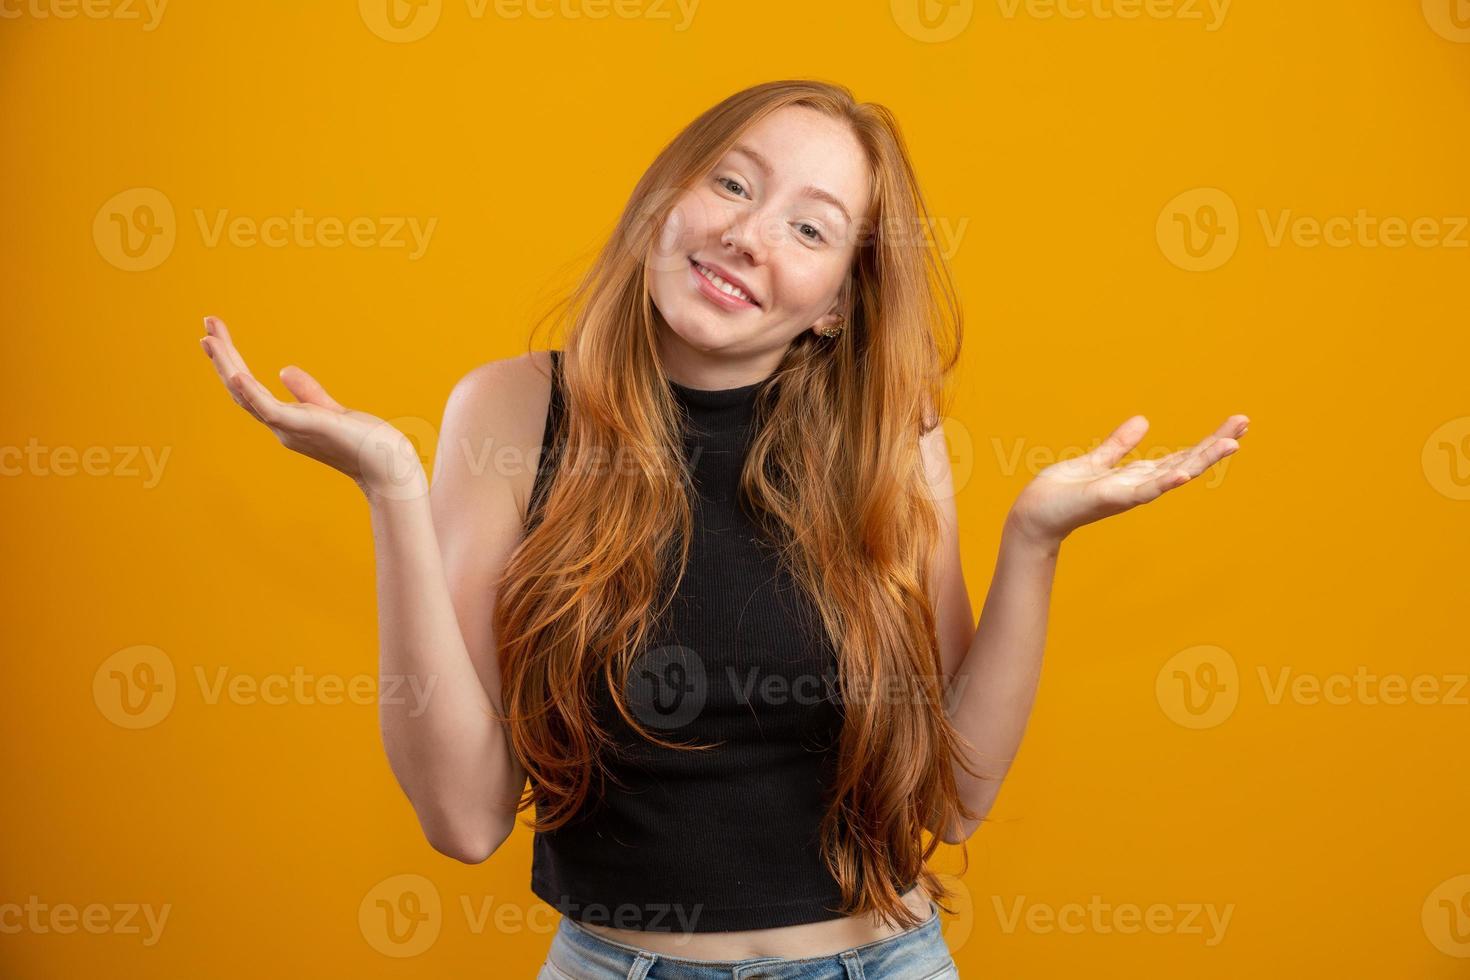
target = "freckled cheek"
x: 800, y: 283
x: 698, y: 222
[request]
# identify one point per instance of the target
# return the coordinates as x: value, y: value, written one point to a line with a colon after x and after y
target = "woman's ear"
x: 828, y: 323
x: 833, y: 322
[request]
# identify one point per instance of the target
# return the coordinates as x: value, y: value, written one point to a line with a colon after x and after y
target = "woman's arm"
x: 438, y: 555
x: 439, y: 561
x: 994, y: 687
x: 993, y: 675
x: 449, y: 755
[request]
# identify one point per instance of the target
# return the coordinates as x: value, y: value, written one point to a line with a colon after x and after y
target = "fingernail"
x: 209, y: 326
x: 203, y: 342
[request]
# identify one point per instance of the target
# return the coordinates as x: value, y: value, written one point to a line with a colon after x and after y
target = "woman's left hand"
x: 1074, y: 492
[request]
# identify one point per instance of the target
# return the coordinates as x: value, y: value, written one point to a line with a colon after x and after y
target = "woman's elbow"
x: 469, y: 846
x: 960, y: 835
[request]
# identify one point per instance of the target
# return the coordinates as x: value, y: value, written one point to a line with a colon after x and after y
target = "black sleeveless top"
x: 724, y: 838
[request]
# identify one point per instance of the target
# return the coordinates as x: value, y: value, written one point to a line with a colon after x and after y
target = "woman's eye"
x: 818, y: 235
x: 727, y: 182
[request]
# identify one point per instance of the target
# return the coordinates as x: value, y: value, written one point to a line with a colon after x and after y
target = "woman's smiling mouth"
x: 720, y: 289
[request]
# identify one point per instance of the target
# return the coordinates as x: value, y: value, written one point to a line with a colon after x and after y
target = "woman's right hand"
x: 381, y: 460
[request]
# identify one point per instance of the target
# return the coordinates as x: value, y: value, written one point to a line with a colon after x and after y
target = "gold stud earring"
x: 836, y: 328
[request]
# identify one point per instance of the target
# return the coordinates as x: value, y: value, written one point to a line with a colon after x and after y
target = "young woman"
x: 715, y: 630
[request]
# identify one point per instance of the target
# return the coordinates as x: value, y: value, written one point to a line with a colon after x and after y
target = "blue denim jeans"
x: 578, y: 953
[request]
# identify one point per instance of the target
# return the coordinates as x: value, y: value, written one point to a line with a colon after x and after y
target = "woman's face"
x: 777, y: 218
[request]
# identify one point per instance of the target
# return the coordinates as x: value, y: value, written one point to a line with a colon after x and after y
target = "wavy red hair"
x: 834, y: 472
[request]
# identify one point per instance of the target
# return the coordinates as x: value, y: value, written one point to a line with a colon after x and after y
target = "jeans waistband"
x: 918, y: 952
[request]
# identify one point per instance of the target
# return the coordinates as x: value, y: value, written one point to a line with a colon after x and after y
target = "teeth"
x: 722, y: 285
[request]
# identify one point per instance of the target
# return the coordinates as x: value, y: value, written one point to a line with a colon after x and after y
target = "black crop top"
x: 724, y: 838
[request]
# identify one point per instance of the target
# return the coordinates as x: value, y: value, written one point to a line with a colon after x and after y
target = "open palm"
x: 1074, y: 492
x: 379, y: 458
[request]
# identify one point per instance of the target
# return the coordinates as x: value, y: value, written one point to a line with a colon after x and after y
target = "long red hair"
x: 834, y: 471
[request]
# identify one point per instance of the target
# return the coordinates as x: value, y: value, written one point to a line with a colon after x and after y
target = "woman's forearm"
x: 995, y: 684
x: 449, y: 753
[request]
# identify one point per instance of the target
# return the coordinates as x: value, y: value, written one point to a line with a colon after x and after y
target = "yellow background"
x: 1332, y: 543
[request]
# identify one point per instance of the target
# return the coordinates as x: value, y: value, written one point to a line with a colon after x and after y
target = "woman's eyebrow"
x: 813, y: 192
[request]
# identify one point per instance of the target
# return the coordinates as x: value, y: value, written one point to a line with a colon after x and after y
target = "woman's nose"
x: 746, y: 233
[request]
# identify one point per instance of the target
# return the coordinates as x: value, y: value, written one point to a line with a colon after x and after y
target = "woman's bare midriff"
x: 791, y: 942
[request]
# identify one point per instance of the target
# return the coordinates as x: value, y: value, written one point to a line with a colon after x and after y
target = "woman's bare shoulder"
x: 506, y: 397
x: 495, y: 419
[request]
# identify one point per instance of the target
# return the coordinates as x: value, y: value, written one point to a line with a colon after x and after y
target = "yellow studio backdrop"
x: 1247, y: 753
